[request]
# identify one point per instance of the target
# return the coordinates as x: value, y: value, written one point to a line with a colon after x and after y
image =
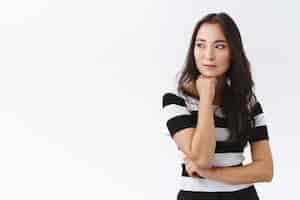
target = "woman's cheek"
x: 223, y: 60
x: 197, y: 57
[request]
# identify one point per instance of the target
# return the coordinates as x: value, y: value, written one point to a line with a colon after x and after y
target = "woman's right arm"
x: 204, y: 137
x: 197, y: 143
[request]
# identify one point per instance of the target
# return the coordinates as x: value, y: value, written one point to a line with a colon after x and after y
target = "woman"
x: 213, y: 114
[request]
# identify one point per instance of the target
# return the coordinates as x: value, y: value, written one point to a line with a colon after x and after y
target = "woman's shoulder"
x: 173, y: 95
x: 255, y: 106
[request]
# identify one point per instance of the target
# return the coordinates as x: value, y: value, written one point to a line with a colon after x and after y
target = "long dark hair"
x: 237, y: 93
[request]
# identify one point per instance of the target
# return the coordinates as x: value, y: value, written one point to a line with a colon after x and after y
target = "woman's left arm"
x: 259, y: 170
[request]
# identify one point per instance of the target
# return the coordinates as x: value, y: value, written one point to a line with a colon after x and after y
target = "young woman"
x: 213, y: 113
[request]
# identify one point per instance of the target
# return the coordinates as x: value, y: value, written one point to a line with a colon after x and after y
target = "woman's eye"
x: 200, y: 45
x: 220, y: 46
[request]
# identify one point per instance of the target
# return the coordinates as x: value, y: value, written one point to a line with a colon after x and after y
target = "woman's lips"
x: 209, y: 65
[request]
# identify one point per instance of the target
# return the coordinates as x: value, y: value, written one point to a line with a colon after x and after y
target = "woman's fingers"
x: 193, y: 173
x: 191, y: 169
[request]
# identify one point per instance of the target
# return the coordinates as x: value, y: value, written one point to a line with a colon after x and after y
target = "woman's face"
x: 211, y: 50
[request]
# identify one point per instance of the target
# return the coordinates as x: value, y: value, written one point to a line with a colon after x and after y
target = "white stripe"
x: 174, y: 110
x: 219, y: 112
x: 260, y: 120
x: 192, y: 105
x: 222, y: 134
x: 227, y: 159
x: 207, y: 185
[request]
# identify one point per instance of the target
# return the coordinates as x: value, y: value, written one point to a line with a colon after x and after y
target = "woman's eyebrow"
x: 216, y: 41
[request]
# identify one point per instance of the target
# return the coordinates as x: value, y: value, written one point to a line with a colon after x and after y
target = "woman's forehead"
x: 210, y: 32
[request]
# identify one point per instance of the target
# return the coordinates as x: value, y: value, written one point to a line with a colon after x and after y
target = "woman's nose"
x: 209, y: 53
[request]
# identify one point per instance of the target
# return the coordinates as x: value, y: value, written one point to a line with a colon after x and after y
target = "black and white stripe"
x: 180, y: 114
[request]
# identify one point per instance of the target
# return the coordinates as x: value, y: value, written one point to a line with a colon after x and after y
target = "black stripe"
x: 256, y: 109
x: 170, y: 98
x: 189, y: 121
x: 180, y: 122
x: 220, y: 122
x: 228, y: 147
x: 184, y: 172
x: 259, y: 133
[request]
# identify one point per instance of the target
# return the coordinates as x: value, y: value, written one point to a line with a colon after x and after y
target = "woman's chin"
x: 208, y: 74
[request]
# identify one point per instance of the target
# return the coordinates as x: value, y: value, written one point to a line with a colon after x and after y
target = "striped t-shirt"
x: 180, y: 112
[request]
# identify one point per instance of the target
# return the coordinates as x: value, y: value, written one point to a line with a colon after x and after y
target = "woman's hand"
x: 191, y: 167
x: 206, y: 89
x: 194, y: 171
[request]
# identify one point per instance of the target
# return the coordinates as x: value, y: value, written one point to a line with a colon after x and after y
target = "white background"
x: 81, y: 85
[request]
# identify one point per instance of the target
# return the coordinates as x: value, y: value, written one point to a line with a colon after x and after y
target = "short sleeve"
x: 260, y: 130
x: 175, y: 112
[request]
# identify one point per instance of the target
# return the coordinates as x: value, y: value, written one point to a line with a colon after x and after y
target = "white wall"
x: 81, y: 85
